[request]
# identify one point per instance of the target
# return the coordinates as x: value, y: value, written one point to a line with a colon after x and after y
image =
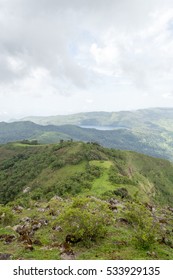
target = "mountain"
x: 76, y: 200
x: 149, y: 118
x: 135, y: 133
x: 24, y: 165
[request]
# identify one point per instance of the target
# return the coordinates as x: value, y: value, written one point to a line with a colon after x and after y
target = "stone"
x: 5, y: 256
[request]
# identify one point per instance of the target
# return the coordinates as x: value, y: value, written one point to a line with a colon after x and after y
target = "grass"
x: 151, y: 181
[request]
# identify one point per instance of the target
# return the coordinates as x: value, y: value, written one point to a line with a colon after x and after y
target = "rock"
x: 57, y: 228
x: 7, y: 238
x: 55, y: 244
x: 36, y: 226
x: 4, y: 256
x: 37, y: 242
x: 113, y: 201
x: 152, y: 254
x: 113, y: 207
x: 18, y: 208
x: 27, y: 189
x: 56, y: 197
x: 65, y: 256
x: 25, y: 239
x: 29, y: 247
x: 15, y: 228
x: 166, y: 241
x: 170, y: 209
x: 25, y: 219
x: 44, y: 222
x: 41, y: 210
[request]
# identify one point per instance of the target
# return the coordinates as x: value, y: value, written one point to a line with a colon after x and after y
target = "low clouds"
x: 55, y: 48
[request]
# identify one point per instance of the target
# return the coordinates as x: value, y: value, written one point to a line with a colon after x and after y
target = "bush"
x: 145, y: 228
x: 122, y: 192
x: 6, y: 216
x: 85, y: 219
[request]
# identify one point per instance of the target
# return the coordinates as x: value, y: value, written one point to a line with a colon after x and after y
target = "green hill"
x: 76, y: 200
x: 151, y: 142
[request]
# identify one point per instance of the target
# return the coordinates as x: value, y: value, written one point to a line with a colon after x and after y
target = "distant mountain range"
x: 148, y: 131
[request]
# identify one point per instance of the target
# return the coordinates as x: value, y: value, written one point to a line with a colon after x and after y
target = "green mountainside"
x: 148, y: 131
x: 150, y: 118
x: 75, y: 200
x: 147, y: 138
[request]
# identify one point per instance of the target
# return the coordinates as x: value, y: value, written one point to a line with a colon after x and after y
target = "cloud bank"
x: 56, y: 55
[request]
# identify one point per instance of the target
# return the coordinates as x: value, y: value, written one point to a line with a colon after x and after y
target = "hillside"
x: 150, y: 118
x: 155, y: 142
x: 82, y: 201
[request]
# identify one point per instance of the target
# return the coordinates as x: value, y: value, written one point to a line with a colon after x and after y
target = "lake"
x: 103, y: 127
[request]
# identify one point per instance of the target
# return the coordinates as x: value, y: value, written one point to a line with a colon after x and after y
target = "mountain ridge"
x: 75, y: 200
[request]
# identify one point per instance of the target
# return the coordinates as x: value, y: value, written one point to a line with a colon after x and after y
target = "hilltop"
x: 83, y: 201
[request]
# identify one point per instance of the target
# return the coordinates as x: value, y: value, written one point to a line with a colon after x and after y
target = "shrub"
x: 145, y: 228
x: 6, y: 216
x: 122, y: 192
x: 85, y: 219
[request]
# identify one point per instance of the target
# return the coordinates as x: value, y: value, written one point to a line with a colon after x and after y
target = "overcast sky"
x: 68, y: 56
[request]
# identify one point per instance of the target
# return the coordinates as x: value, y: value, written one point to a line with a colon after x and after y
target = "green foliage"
x: 86, y: 219
x: 145, y: 227
x: 122, y: 192
x: 6, y: 216
x: 119, y: 178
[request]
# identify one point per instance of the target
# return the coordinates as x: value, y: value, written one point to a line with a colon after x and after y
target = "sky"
x: 69, y: 56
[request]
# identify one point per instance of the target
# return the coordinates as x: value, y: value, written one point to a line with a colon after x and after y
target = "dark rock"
x: 37, y: 242
x: 57, y: 228
x: 4, y: 256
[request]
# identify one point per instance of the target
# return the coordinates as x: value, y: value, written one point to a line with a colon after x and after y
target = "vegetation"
x: 75, y: 200
x: 148, y: 131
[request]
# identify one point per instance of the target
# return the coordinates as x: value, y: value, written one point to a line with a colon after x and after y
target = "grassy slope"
x: 79, y: 169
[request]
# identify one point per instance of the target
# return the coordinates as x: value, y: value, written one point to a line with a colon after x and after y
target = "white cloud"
x: 61, y: 48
